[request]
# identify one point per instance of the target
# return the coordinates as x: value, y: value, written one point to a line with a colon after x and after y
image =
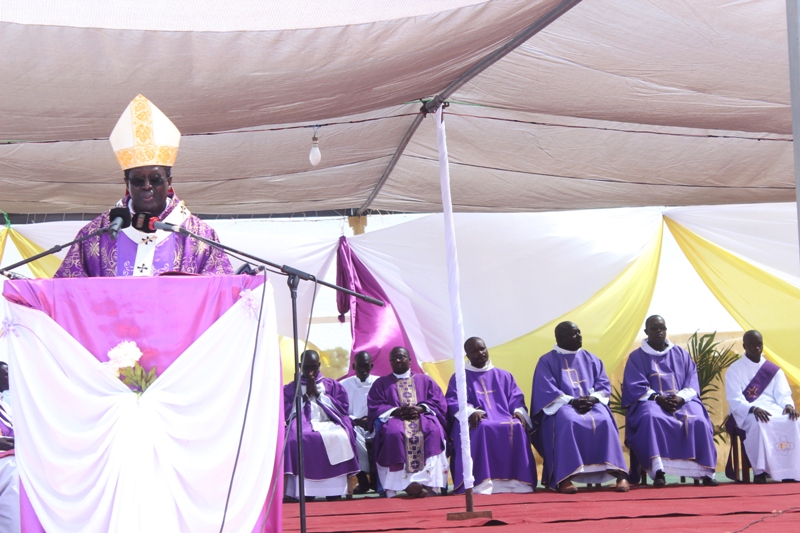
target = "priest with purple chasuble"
x: 667, y: 426
x: 761, y: 404
x: 329, y: 443
x: 409, y: 412
x: 498, y: 427
x: 574, y: 430
x: 145, y: 143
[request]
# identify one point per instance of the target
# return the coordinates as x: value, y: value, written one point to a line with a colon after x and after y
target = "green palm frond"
x: 711, y: 362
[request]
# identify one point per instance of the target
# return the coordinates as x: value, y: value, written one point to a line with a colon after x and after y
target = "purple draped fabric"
x: 389, y: 445
x: 101, y: 256
x: 315, y: 457
x: 499, y: 445
x: 568, y: 440
x: 100, y: 313
x: 375, y: 329
x: 651, y: 432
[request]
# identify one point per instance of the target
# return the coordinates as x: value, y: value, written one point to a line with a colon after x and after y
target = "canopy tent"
x: 614, y: 103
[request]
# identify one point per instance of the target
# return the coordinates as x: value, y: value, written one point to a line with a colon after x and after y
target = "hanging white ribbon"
x: 455, y: 301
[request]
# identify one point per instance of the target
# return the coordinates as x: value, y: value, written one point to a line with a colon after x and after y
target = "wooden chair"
x: 738, y: 465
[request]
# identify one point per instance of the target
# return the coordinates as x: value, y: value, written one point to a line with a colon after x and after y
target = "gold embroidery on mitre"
x: 145, y: 151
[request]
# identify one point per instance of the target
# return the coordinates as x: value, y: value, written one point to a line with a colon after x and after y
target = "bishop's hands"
x: 408, y: 412
x: 670, y: 403
x: 583, y: 404
x: 791, y: 411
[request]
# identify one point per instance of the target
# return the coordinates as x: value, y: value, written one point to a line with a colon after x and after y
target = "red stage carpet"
x: 774, y: 507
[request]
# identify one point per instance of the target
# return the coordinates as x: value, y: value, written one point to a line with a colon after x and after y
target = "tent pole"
x: 793, y: 28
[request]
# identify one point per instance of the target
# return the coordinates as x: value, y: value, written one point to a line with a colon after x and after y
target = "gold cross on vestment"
x: 574, y: 372
x: 514, y: 421
x: 486, y: 393
x: 752, y: 391
x: 594, y: 423
x: 685, y: 420
x: 657, y: 372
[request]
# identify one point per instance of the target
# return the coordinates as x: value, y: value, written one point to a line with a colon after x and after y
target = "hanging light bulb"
x: 314, y: 156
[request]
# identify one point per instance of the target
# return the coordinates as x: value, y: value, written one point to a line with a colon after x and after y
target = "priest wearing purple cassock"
x: 409, y: 412
x: 498, y: 427
x: 762, y: 406
x: 574, y: 430
x: 667, y: 426
x: 329, y: 443
x: 145, y: 143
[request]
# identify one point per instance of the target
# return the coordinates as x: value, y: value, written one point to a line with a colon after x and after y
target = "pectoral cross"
x: 685, y: 420
x: 573, y: 376
x: 657, y: 372
x: 486, y: 393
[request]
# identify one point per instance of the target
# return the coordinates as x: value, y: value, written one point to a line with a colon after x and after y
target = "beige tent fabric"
x: 616, y: 103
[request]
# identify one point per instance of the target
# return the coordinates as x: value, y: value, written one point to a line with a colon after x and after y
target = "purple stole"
x: 415, y: 443
x: 760, y: 381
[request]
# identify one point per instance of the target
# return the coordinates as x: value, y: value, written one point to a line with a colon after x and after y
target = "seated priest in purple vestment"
x: 329, y: 443
x: 409, y: 410
x: 145, y: 143
x: 498, y: 427
x: 574, y: 430
x: 9, y: 478
x: 761, y: 404
x: 667, y: 427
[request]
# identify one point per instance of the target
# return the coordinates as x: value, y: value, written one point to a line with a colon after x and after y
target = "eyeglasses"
x: 138, y: 181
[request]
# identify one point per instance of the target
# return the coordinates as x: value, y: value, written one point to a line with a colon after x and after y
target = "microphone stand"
x: 54, y: 250
x: 294, y: 277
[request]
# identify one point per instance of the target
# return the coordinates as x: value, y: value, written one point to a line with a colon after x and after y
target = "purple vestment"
x: 316, y: 463
x: 389, y: 444
x: 568, y: 441
x: 100, y: 256
x: 651, y: 432
x: 499, y: 445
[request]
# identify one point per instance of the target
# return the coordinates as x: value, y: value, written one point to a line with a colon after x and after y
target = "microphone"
x: 167, y: 227
x: 120, y: 218
x: 144, y: 222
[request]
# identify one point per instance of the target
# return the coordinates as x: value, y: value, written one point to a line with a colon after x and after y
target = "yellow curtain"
x: 755, y: 298
x: 41, y: 268
x: 3, y: 235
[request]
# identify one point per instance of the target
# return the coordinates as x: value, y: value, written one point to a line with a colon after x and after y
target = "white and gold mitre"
x: 144, y: 136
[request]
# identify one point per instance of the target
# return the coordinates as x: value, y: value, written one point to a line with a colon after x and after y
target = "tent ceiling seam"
x: 456, y: 84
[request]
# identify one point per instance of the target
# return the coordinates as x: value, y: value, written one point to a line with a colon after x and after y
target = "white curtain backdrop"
x: 518, y: 271
x: 763, y: 234
x: 94, y: 457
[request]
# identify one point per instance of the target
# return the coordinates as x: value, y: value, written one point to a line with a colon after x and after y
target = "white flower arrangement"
x: 123, y: 362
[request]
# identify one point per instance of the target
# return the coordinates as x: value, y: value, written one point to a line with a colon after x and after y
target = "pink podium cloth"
x: 168, y: 313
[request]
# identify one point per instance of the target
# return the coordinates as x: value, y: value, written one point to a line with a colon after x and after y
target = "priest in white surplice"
x: 357, y: 388
x: 761, y: 403
x: 329, y: 444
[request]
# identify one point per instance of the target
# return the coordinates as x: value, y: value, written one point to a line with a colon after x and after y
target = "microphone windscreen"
x: 144, y: 222
x: 121, y: 212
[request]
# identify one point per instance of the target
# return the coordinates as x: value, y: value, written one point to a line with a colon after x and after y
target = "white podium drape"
x: 94, y: 457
